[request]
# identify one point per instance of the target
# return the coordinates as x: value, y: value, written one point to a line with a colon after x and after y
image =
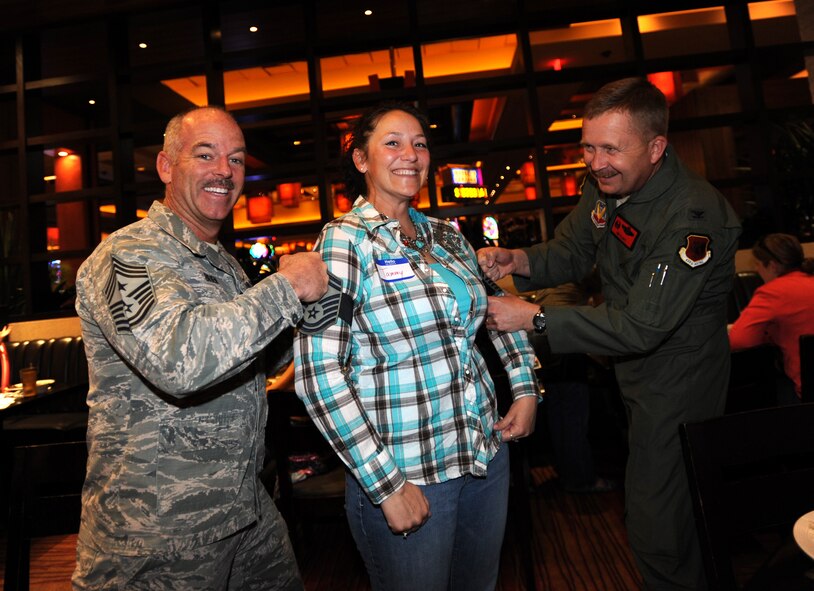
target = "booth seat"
x: 62, y: 416
x: 61, y: 359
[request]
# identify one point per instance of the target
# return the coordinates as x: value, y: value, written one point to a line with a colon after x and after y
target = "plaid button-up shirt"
x: 397, y: 386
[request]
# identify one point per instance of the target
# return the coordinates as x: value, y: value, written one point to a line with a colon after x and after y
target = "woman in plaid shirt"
x: 387, y: 365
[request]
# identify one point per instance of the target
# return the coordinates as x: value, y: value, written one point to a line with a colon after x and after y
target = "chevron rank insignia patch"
x: 129, y: 293
x: 334, y: 304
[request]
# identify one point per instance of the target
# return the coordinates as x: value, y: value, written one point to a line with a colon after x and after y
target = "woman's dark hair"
x: 355, y: 184
x: 785, y: 250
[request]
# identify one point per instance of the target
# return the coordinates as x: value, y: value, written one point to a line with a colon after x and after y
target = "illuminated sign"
x: 462, y: 183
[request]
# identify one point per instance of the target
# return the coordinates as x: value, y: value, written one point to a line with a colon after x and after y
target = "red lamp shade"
x: 570, y: 185
x: 527, y: 174
x: 258, y: 208
x: 289, y: 194
x: 343, y: 204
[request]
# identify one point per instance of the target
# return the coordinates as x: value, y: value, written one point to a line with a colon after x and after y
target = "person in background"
x: 781, y: 309
x: 388, y: 369
x: 664, y: 242
x: 568, y: 395
x: 174, y: 334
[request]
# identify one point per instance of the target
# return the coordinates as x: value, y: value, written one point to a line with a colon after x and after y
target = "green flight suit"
x: 666, y: 261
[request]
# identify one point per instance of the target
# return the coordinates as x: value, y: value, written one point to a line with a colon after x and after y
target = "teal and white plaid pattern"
x: 401, y: 392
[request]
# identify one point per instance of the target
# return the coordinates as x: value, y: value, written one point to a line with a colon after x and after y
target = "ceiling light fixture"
x: 142, y: 45
x: 368, y: 12
x: 253, y: 29
x: 92, y: 102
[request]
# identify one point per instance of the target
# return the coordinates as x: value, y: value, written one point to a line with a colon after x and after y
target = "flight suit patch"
x: 625, y: 232
x: 321, y: 314
x: 696, y: 251
x: 599, y: 215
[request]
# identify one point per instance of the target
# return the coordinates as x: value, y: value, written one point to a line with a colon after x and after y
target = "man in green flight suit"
x: 664, y: 242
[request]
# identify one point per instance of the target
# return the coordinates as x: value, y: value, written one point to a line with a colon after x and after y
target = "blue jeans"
x: 458, y: 548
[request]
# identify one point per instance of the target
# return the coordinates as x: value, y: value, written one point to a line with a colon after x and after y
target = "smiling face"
x: 617, y: 155
x: 204, y: 170
x: 397, y: 159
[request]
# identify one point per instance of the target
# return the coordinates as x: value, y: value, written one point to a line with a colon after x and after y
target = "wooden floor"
x: 578, y: 543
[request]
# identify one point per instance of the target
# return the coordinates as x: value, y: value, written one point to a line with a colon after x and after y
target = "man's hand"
x: 497, y: 262
x: 406, y: 510
x: 509, y: 313
x: 307, y: 274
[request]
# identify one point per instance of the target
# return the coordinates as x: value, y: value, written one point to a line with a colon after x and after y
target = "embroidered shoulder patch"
x: 696, y: 251
x: 129, y: 293
x: 624, y: 231
x: 334, y: 304
x: 599, y: 214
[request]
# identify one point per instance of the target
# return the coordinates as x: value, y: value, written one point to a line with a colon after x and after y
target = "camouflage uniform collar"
x: 173, y: 225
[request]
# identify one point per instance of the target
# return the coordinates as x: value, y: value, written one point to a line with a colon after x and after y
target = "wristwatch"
x: 539, y: 321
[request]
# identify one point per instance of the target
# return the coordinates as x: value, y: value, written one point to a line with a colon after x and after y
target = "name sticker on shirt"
x: 394, y: 269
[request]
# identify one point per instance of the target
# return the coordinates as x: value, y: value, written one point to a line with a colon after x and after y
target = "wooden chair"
x: 807, y: 367
x: 303, y: 503
x: 45, y: 500
x: 750, y: 473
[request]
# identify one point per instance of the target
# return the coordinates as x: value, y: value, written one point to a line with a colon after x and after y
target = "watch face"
x: 539, y: 322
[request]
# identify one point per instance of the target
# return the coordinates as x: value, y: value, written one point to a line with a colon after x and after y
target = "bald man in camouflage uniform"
x: 174, y: 334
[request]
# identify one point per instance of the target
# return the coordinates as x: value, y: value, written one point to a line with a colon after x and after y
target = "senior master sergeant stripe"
x: 334, y: 304
x: 129, y: 294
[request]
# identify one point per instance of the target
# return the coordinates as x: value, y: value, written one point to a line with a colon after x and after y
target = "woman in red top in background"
x: 782, y: 308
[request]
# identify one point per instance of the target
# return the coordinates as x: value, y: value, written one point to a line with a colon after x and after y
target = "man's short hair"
x: 172, y: 133
x: 645, y: 103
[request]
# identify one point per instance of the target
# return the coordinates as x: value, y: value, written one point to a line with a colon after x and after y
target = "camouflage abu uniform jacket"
x: 172, y: 328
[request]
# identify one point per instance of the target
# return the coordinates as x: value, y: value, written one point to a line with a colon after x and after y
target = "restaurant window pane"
x: 273, y: 146
x: 336, y: 19
x: 69, y: 167
x: 157, y: 101
x: 53, y: 284
x: 556, y: 6
x: 11, y: 289
x: 9, y: 232
x: 715, y: 153
x: 457, y: 14
x: 172, y: 36
x: 66, y: 108
x: 8, y: 61
x: 480, y: 119
x: 8, y: 117
x: 275, y: 203
x: 279, y: 25
x: 788, y: 85
x: 684, y: 32
x: 699, y: 92
x: 792, y: 147
x: 369, y: 71
x: 774, y: 22
x: 67, y: 51
x: 266, y: 85
x: 564, y: 169
x: 9, y: 172
x: 577, y: 45
x: 561, y: 105
x: 473, y: 58
x: 60, y: 226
